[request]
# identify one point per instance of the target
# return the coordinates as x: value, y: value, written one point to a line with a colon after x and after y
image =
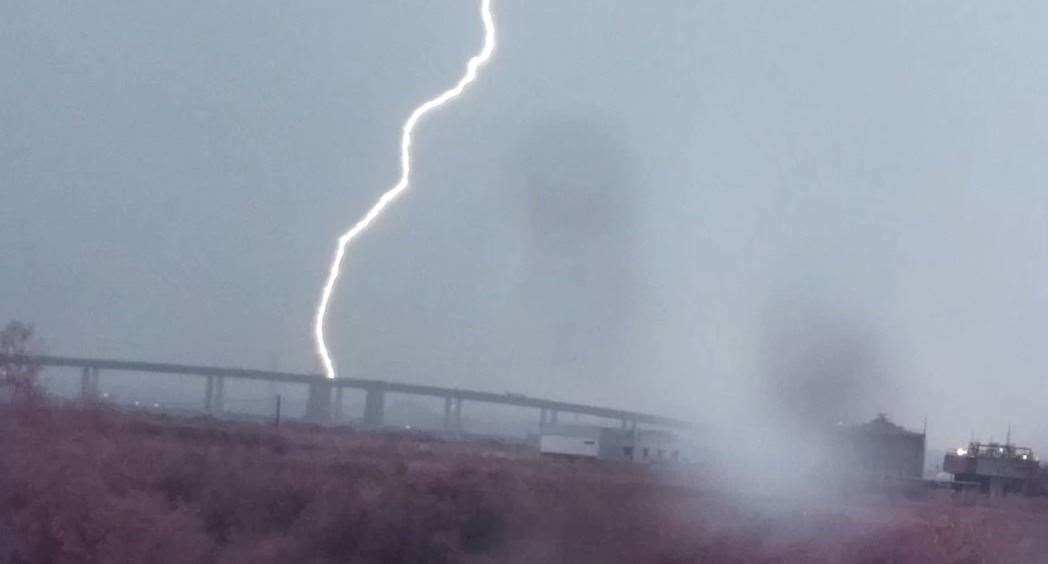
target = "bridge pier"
x: 338, y: 404
x: 452, y: 414
x: 457, y: 415
x: 543, y: 417
x: 374, y: 406
x: 318, y: 406
x: 89, y: 384
x: 553, y: 416
x: 214, y: 396
x: 447, y: 413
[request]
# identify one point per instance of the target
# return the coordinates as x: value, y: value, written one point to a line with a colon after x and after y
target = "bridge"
x: 321, y: 407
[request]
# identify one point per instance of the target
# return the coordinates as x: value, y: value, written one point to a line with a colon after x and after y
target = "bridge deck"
x: 394, y: 387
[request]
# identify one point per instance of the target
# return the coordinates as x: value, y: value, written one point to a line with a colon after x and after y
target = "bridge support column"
x: 374, y: 407
x: 338, y: 404
x: 543, y: 417
x: 554, y: 414
x: 89, y: 384
x: 214, y: 396
x: 447, y: 413
x: 318, y: 405
x: 452, y: 415
x: 457, y: 416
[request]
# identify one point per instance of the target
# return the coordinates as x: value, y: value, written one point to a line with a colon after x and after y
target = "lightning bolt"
x: 472, y: 67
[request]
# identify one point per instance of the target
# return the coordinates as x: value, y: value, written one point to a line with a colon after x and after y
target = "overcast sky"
x: 692, y: 208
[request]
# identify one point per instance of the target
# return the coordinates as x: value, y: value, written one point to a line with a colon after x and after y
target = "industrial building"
x: 996, y: 468
x: 882, y: 449
x: 609, y: 443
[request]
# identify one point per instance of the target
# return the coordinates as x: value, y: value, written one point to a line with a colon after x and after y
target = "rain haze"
x: 697, y: 209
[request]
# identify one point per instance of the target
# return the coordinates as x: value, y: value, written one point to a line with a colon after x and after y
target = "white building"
x: 608, y: 443
x: 573, y: 441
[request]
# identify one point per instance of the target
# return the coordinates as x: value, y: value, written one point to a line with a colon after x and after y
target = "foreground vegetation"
x: 94, y: 485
